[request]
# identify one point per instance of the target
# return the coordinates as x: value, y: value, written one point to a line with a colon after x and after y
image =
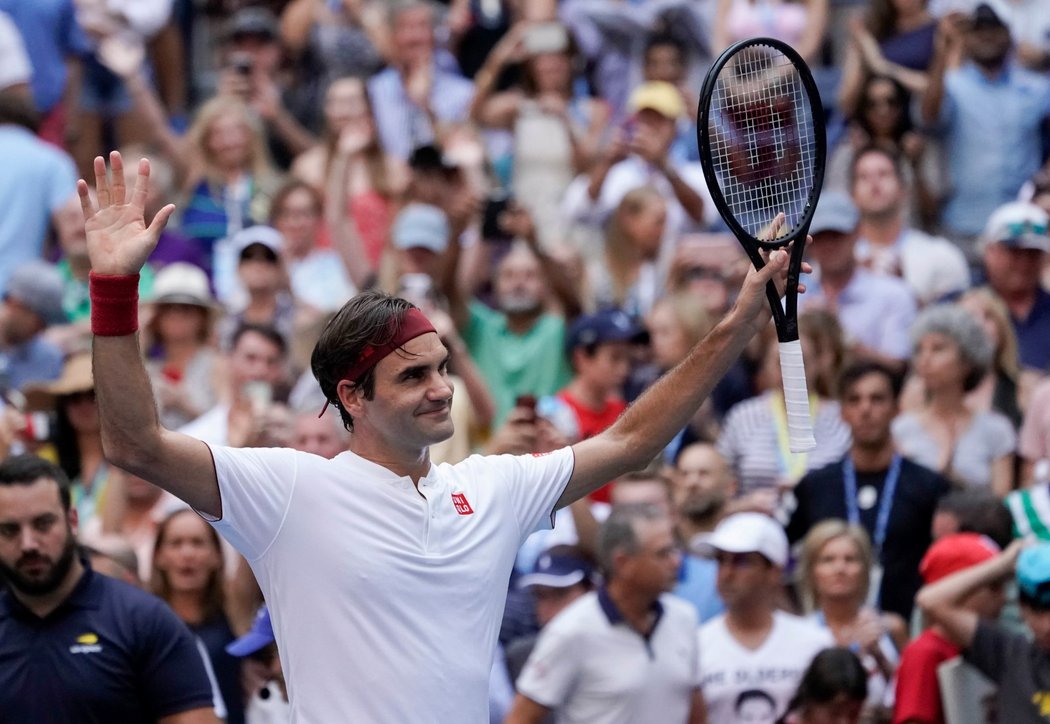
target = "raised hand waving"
x: 118, y: 240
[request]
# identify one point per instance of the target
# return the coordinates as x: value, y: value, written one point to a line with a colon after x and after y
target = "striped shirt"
x: 404, y: 126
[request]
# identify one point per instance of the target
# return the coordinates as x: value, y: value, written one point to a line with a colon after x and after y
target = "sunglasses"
x: 1019, y: 228
x: 739, y: 560
x: 259, y: 253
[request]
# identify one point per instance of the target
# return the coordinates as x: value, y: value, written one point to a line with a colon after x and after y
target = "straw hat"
x: 76, y: 377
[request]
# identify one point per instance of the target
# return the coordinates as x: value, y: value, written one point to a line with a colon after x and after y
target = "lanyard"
x: 849, y: 482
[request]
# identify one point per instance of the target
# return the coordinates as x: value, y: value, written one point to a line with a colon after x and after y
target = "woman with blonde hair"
x: 835, y: 582
x: 627, y: 274
x: 1004, y: 386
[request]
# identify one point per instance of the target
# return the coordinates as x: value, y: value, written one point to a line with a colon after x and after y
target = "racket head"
x: 762, y: 141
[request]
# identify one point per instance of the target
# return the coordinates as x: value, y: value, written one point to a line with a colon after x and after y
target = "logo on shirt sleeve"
x: 86, y: 643
x: 462, y: 504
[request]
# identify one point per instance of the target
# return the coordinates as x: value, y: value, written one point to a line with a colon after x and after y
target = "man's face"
x: 988, y: 601
x: 987, y: 45
x: 700, y: 472
x: 1038, y: 622
x: 877, y: 189
x: 411, y: 407
x: 259, y: 270
x: 1012, y: 270
x: 654, y: 568
x: 657, y: 126
x: 413, y: 36
x: 607, y: 368
x: 833, y: 251
x: 551, y: 601
x: 642, y: 492
x: 18, y: 323
x: 745, y: 579
x: 265, y: 52
x: 318, y: 435
x: 868, y: 407
x: 664, y: 63
x: 37, y: 537
x: 519, y: 283
x: 255, y: 359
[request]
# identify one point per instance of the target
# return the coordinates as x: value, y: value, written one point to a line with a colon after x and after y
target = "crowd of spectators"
x: 526, y: 172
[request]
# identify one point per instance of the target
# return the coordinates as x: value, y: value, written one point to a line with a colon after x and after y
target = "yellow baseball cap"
x: 659, y: 96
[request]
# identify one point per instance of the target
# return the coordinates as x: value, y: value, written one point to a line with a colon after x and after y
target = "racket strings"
x: 761, y: 128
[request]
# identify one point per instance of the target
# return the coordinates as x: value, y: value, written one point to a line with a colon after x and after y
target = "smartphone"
x: 546, y: 38
x: 259, y: 394
x: 241, y: 63
x: 495, y: 204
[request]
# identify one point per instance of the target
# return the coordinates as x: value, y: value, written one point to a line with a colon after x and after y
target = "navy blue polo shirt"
x: 109, y: 653
x: 1033, y: 334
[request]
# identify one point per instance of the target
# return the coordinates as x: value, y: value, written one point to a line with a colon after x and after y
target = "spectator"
x: 833, y: 688
x: 556, y: 132
x: 187, y: 575
x: 1014, y: 246
x: 919, y: 698
x: 361, y: 181
x: 627, y: 273
x: 801, y: 24
x: 990, y: 155
x: 146, y: 665
x: 933, y: 267
x: 1005, y: 388
x: 835, y: 575
x: 37, y: 182
x: 31, y: 303
x: 319, y: 434
x: 1011, y: 660
x: 1030, y: 30
x: 1034, y: 441
x: 182, y: 364
x: 639, y: 154
x: 753, y: 646
x: 895, y: 40
x: 254, y: 369
x: 972, y: 511
x: 259, y: 295
x: 890, y: 496
x: 875, y: 311
x: 754, y: 435
x: 263, y: 674
x: 415, y: 95
x: 972, y: 448
x: 562, y: 575
x: 624, y: 627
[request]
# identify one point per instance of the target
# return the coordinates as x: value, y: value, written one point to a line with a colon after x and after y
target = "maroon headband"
x: 413, y: 324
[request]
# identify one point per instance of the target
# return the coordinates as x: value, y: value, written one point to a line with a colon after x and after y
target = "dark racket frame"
x: 749, y: 205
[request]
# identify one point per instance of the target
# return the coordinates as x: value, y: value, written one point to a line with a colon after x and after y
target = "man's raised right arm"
x: 119, y: 242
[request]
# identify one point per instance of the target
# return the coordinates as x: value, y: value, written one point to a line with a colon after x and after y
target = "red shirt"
x: 918, y: 693
x: 591, y: 422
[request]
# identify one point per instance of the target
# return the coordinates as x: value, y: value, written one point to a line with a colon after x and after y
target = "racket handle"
x: 796, y: 398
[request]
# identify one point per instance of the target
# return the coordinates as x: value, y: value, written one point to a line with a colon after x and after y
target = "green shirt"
x: 533, y: 363
x: 75, y: 299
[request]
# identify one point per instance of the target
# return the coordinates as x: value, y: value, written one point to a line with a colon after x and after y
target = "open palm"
x: 118, y: 240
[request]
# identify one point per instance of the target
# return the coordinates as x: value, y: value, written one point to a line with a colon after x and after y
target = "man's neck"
x: 588, y: 394
x: 414, y: 464
x: 881, y: 229
x: 1019, y: 302
x: 991, y: 71
x: 522, y: 322
x: 753, y: 619
x: 837, y: 280
x: 44, y: 604
x: 872, y: 458
x: 635, y: 606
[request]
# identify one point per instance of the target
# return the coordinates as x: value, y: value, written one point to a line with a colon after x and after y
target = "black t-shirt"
x: 821, y: 495
x: 110, y: 653
x: 1019, y: 666
x: 215, y: 635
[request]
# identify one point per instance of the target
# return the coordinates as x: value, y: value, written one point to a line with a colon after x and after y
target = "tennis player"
x: 385, y: 575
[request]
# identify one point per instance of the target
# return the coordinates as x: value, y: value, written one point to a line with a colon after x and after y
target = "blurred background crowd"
x: 526, y: 172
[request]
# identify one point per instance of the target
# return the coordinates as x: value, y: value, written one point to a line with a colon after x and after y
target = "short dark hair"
x: 617, y: 532
x: 979, y: 511
x: 662, y: 39
x: 371, y: 318
x: 263, y: 330
x: 27, y: 469
x: 862, y: 368
x: 832, y: 673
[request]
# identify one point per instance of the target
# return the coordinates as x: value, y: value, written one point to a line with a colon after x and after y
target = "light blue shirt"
x: 402, y: 125
x: 992, y: 137
x: 37, y: 180
x: 875, y: 311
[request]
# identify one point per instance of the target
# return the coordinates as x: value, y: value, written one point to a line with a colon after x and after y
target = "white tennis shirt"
x: 386, y: 602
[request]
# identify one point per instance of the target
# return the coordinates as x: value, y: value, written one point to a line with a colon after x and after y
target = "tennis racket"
x: 762, y: 146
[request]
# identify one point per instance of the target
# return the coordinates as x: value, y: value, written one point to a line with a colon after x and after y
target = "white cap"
x: 748, y: 533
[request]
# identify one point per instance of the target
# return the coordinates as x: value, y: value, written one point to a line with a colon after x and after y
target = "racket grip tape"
x: 796, y: 398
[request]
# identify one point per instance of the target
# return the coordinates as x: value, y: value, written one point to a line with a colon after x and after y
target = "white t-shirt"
x: 740, y: 683
x: 591, y: 667
x: 386, y: 601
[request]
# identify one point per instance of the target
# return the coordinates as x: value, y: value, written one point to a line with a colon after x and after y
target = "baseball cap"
x: 260, y: 635
x: 557, y: 571
x: 252, y: 21
x: 748, y: 533
x: 259, y: 234
x: 1033, y: 574
x: 835, y: 212
x: 607, y: 325
x: 1018, y: 225
x: 659, y: 96
x: 38, y: 286
x: 420, y: 226
x: 182, y: 283
x: 955, y: 552
x: 984, y: 16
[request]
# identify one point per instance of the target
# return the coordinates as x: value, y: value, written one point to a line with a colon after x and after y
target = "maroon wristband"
x: 114, y: 304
